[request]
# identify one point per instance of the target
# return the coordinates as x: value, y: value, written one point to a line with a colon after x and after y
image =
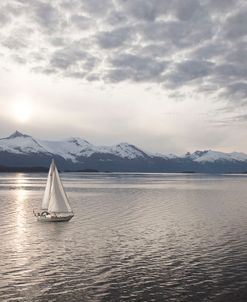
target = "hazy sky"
x: 166, y: 75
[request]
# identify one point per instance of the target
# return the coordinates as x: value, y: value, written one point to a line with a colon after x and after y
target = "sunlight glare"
x: 22, y: 110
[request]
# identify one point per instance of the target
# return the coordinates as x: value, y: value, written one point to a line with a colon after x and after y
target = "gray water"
x: 134, y: 237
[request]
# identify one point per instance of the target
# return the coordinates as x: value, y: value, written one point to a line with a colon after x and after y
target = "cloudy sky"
x: 166, y: 75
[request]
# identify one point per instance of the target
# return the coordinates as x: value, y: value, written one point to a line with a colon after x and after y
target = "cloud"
x: 200, y: 44
x: 114, y: 38
x: 136, y: 68
x: 95, y: 7
x: 140, y: 9
x: 66, y: 57
x: 46, y: 15
x: 4, y: 18
x: 231, y: 71
x: 238, y: 54
x: 188, y: 10
x: 187, y: 71
x: 116, y: 17
x: 221, y: 6
x: 236, y: 92
x: 235, y: 26
x: 241, y: 118
x: 72, y: 62
x: 15, y: 42
x: 210, y: 50
x: 80, y: 21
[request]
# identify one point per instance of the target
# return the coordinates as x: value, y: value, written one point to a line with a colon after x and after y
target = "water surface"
x: 134, y: 237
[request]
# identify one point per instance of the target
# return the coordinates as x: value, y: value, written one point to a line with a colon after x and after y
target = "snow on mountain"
x: 68, y: 148
x: 125, y: 150
x: 212, y: 156
x: 72, y: 148
x: 19, y: 143
x: 240, y: 156
x: 122, y: 150
x: 75, y: 149
x: 164, y: 156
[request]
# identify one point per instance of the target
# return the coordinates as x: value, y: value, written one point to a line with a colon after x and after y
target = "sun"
x: 22, y: 110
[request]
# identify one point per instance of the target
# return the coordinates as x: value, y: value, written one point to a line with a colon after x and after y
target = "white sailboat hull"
x: 54, y: 218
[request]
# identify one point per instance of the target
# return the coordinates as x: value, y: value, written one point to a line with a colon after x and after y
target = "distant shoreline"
x: 5, y: 169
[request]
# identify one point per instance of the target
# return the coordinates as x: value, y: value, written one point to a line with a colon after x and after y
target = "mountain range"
x: 21, y: 150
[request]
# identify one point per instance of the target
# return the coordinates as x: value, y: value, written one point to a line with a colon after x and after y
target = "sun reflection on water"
x: 21, y: 212
x: 20, y: 180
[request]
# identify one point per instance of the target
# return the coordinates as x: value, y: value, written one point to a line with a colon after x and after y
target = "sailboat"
x: 55, y: 204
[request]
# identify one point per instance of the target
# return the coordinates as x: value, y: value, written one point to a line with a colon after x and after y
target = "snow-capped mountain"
x: 21, y: 150
x: 212, y: 156
x: 21, y: 144
x: 74, y: 148
x: 70, y: 148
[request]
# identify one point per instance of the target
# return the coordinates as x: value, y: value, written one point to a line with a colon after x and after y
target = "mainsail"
x: 46, y: 197
x: 55, y: 199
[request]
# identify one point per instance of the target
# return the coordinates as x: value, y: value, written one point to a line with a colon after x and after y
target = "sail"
x: 59, y: 202
x: 46, y: 197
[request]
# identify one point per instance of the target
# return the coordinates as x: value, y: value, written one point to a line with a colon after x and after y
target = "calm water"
x: 134, y: 237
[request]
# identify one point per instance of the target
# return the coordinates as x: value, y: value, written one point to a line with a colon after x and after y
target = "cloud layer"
x: 196, y: 45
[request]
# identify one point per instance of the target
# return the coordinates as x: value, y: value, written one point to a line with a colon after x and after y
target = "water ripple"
x: 134, y: 237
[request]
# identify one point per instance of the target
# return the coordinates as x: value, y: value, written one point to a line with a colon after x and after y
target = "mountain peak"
x: 123, y: 144
x: 76, y: 140
x: 200, y: 153
x: 17, y: 134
